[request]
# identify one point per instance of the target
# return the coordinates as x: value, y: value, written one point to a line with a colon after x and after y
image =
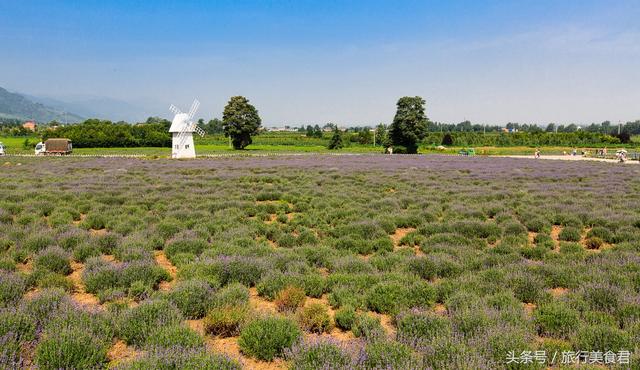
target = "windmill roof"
x: 179, y: 122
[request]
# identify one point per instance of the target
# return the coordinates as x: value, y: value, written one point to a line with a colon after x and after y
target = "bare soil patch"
x: 531, y: 236
x: 78, y: 222
x: 387, y: 323
x: 229, y: 346
x: 399, y: 234
x: 120, y: 352
x: 529, y: 308
x: 100, y: 232
x: 558, y: 292
x: 272, y: 219
x: 31, y: 293
x: 25, y: 267
x: 555, y: 235
x: 108, y: 257
x: 79, y: 294
x: 162, y: 260
x: 197, y: 325
x: 440, y: 309
x: 260, y: 304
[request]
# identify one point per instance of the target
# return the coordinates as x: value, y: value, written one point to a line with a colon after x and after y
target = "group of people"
x: 621, y: 155
x: 574, y: 152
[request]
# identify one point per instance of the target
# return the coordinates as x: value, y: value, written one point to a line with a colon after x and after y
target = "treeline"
x: 606, y: 127
x: 578, y: 138
x: 94, y: 133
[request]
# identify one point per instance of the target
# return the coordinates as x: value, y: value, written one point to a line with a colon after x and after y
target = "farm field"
x: 287, y: 142
x: 318, y: 261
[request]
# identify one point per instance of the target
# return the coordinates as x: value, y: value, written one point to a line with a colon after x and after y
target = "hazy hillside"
x: 18, y: 106
x: 99, y: 107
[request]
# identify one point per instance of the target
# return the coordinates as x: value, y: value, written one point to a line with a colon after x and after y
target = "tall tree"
x: 409, y: 124
x: 336, y: 140
x: 317, y: 131
x: 240, y: 121
x: 550, y: 127
x: 381, y: 137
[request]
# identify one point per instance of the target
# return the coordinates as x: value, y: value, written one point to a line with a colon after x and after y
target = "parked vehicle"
x: 467, y: 152
x: 2, y: 149
x: 54, y: 147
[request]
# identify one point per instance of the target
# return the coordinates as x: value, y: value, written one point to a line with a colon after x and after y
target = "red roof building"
x: 30, y: 125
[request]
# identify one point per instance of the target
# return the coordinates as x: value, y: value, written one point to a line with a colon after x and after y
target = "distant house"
x: 282, y: 129
x: 30, y: 125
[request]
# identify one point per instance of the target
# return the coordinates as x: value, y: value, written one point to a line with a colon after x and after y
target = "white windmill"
x: 182, y: 129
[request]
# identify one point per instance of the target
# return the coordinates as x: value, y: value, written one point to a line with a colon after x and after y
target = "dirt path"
x: 79, y: 294
x: 164, y: 262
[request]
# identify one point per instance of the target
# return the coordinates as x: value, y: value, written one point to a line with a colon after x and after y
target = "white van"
x: 2, y: 149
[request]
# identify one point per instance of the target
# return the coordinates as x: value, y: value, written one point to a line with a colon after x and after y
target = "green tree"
x: 336, y: 139
x: 409, y: 124
x: 382, y: 138
x: 365, y: 136
x: 240, y: 121
x: 317, y: 131
x: 310, y: 132
x: 214, y: 126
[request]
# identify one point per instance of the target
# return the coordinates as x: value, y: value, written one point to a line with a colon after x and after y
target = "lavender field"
x: 319, y: 261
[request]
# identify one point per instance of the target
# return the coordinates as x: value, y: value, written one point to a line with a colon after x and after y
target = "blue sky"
x: 334, y: 61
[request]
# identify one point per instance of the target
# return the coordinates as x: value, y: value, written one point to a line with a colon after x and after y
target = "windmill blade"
x: 174, y: 109
x: 194, y: 108
x: 199, y: 130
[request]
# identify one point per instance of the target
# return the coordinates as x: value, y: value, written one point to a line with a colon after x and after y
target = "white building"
x: 182, y: 130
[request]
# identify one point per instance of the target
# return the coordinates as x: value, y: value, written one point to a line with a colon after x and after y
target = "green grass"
x: 284, y: 142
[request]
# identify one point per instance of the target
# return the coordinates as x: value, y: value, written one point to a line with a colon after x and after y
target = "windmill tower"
x: 182, y: 129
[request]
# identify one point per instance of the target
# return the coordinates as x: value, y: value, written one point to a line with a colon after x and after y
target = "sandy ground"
x: 568, y: 158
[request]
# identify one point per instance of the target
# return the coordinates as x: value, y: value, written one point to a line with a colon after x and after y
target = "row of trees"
x: 94, y: 133
x: 410, y: 128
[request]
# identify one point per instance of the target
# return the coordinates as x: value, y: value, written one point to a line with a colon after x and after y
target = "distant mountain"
x: 13, y: 105
x: 97, y: 107
x: 104, y: 107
